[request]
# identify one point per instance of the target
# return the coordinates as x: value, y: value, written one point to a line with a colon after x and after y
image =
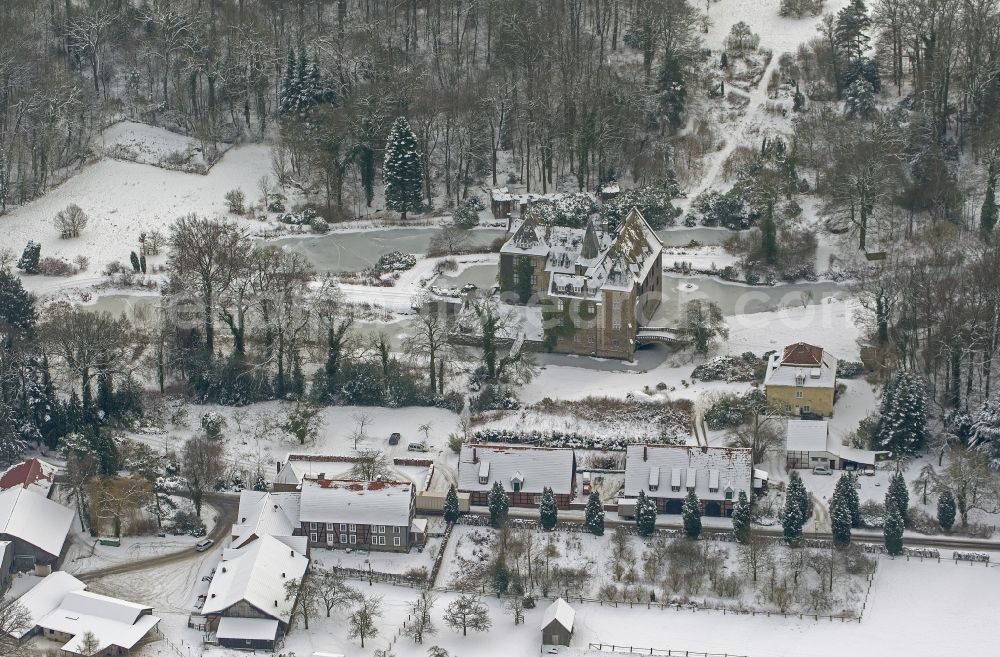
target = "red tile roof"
x: 24, y: 474
x: 802, y: 354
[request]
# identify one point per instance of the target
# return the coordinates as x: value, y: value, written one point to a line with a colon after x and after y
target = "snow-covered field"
x: 776, y: 33
x: 915, y: 610
x: 124, y: 199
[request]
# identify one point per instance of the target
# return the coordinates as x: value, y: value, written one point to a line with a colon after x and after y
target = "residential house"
x: 298, y: 467
x: 268, y: 514
x: 522, y: 471
x: 377, y: 515
x: 666, y: 473
x: 247, y: 604
x: 34, y: 474
x: 808, y: 443
x: 36, y: 526
x: 802, y: 379
x: 557, y: 624
x: 60, y: 609
x: 607, y: 284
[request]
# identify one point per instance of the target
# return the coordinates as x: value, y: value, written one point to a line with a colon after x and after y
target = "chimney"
x: 213, y: 595
x: 275, y: 603
x: 645, y: 452
x: 282, y: 575
x: 223, y: 569
x: 704, y: 449
x: 291, y: 553
x: 475, y: 458
x: 243, y: 520
x: 278, y: 466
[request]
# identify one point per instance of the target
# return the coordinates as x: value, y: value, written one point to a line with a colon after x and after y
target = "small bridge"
x: 672, y: 336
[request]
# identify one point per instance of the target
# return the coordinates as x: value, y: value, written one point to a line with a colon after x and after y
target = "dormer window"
x: 729, y: 493
x: 517, y: 482
x: 484, y: 472
x: 800, y: 379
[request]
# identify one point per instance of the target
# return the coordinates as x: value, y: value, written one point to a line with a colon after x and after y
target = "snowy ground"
x: 385, y: 562
x: 146, y: 144
x: 895, y: 624
x: 776, y: 33
x: 124, y: 199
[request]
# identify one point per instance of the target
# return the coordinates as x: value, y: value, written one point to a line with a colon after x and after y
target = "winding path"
x: 226, y: 507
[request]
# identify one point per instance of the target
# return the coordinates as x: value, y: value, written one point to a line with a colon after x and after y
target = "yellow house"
x: 801, y: 380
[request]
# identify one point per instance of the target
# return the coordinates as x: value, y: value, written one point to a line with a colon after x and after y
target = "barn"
x: 557, y: 624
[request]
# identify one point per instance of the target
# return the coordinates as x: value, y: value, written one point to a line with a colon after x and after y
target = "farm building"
x: 60, y: 609
x: 250, y: 586
x: 522, y: 472
x: 557, y: 624
x: 36, y: 526
x: 270, y: 514
x: 667, y: 472
x: 808, y: 443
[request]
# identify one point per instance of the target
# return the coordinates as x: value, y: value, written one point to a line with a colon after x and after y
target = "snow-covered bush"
x: 276, y: 203
x: 55, y: 267
x: 570, y: 210
x: 653, y: 202
x: 394, y: 261
x: 730, y: 210
x: 236, y: 201
x: 800, y: 8
x: 465, y: 216
x: 319, y: 225
x: 745, y: 367
x: 557, y: 438
x: 725, y: 413
x: 300, y: 218
x: 213, y: 423
x: 70, y: 221
x: 849, y: 369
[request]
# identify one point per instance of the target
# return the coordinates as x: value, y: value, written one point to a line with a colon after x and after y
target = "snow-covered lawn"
x: 124, y: 199
x: 148, y: 144
x: 830, y: 325
x: 915, y: 610
x: 378, y: 561
x: 776, y: 33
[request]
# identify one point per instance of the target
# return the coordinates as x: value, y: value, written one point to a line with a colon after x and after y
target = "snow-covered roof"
x: 256, y: 574
x: 357, y: 502
x: 732, y: 466
x: 260, y: 513
x: 806, y: 435
x: 112, y: 622
x: 251, y: 629
x: 783, y: 371
x: 310, y: 466
x: 560, y: 612
x: 33, y: 473
x: 535, y: 467
x: 45, y: 597
x: 34, y: 519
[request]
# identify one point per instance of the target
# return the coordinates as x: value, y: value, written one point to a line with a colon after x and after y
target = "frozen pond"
x: 482, y: 276
x: 738, y: 299
x: 133, y: 305
x: 352, y: 251
x: 703, y: 235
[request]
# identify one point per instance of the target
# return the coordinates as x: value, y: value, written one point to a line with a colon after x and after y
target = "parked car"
x: 204, y: 545
x: 418, y: 447
x: 822, y: 470
x: 394, y: 438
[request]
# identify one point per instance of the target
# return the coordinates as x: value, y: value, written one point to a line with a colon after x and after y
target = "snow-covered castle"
x: 605, y: 283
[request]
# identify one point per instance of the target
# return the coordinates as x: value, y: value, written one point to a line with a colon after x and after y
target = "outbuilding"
x: 557, y: 624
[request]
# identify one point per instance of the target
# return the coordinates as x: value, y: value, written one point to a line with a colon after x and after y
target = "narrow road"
x: 226, y: 507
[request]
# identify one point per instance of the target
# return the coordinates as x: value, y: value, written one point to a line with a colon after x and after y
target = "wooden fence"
x: 661, y: 652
